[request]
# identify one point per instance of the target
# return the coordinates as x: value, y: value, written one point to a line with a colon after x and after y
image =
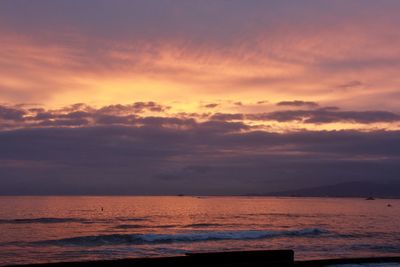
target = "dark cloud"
x: 227, y: 116
x: 212, y: 105
x: 298, y: 103
x: 165, y: 121
x: 11, y: 113
x: 81, y: 114
x: 136, y: 107
x: 43, y: 115
x: 121, y: 149
x: 137, y: 115
x: 350, y: 84
x: 354, y: 116
x: 194, y: 115
x: 69, y: 122
x: 48, y: 115
x: 221, y: 126
x: 327, y: 115
x: 113, y: 119
x: 213, y: 157
x: 151, y: 106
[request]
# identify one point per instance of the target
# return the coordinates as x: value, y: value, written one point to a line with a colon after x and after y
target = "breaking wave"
x: 116, y: 239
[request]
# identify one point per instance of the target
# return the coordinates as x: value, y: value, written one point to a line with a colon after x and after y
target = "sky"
x: 197, y: 97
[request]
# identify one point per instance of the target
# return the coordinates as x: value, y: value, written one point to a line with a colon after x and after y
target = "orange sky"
x: 322, y: 54
x: 197, y: 97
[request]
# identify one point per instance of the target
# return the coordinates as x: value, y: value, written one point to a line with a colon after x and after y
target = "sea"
x: 79, y: 228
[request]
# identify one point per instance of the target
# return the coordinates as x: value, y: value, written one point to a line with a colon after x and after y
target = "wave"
x: 137, y: 219
x: 138, y: 226
x: 130, y: 226
x: 201, y: 225
x: 43, y: 220
x: 116, y: 239
x: 377, y: 247
x: 195, y: 225
x: 283, y: 215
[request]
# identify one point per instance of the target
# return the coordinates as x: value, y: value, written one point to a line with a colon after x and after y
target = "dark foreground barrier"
x: 270, y: 258
x: 328, y: 262
x: 244, y: 258
x: 273, y: 258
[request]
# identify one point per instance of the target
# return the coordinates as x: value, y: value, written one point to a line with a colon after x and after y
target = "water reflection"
x: 47, y: 229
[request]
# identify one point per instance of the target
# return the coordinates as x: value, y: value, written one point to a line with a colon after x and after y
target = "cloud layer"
x: 206, y: 97
x: 142, y: 149
x: 211, y: 158
x: 301, y: 113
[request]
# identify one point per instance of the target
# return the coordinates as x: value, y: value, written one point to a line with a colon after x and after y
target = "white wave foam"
x: 180, y: 237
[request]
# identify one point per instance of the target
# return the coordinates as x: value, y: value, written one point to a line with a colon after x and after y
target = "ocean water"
x: 54, y: 229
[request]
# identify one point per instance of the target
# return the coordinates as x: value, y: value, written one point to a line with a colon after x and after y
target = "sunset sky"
x: 197, y: 97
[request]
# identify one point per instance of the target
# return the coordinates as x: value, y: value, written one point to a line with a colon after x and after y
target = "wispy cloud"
x: 58, y: 56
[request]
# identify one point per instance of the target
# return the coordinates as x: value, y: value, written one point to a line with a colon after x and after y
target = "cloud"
x: 136, y: 107
x: 189, y: 52
x: 222, y: 126
x: 298, y: 103
x: 206, y: 158
x: 327, y: 115
x: 354, y: 116
x: 152, y: 114
x: 105, y: 148
x: 212, y: 105
x: 350, y: 84
x: 227, y: 116
x: 11, y: 113
x: 67, y: 122
x: 101, y: 52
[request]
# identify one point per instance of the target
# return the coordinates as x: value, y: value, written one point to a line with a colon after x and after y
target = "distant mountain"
x: 350, y: 189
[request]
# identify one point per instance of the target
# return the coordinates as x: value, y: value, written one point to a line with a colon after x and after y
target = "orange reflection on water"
x: 47, y: 229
